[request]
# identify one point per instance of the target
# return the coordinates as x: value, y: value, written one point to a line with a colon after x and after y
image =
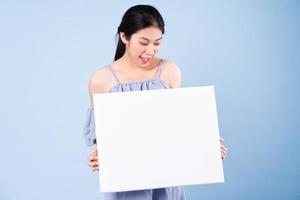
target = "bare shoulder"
x: 171, y: 74
x: 100, y: 82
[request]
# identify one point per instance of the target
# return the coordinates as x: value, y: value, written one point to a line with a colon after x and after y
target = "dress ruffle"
x: 89, y: 127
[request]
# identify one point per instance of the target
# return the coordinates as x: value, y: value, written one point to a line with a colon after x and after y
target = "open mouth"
x: 145, y: 59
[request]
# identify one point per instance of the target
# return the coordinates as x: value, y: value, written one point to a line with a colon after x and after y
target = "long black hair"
x: 134, y: 19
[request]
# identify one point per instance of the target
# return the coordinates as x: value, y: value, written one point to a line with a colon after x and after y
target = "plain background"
x: 249, y: 50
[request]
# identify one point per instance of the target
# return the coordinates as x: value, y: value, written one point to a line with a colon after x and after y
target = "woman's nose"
x: 150, y: 50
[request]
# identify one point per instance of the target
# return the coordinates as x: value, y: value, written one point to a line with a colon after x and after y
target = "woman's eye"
x: 145, y: 44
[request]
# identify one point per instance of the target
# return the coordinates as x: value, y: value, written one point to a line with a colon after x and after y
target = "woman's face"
x: 143, y: 45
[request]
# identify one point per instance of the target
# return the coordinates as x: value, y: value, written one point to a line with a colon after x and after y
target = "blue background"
x: 249, y: 50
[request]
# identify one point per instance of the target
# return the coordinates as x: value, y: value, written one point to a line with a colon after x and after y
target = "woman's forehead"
x: 149, y: 33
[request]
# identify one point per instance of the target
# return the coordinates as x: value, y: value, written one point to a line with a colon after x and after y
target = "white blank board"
x: 157, y: 138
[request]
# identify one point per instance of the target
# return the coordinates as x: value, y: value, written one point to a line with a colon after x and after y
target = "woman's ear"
x: 123, y: 38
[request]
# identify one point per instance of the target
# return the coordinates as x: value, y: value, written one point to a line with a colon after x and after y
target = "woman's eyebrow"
x: 149, y: 40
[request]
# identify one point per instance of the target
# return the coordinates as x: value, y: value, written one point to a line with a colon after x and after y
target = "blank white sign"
x: 157, y: 138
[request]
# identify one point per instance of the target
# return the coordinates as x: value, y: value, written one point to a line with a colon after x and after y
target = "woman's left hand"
x: 224, y: 151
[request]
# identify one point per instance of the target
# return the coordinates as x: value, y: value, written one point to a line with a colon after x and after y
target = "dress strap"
x: 114, y: 73
x: 158, y: 72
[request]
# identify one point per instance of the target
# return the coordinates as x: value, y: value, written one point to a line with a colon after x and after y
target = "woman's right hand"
x: 93, y: 160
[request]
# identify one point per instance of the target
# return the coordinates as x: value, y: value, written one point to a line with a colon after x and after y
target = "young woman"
x: 136, y: 67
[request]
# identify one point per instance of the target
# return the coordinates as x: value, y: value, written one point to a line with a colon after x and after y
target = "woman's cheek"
x: 139, y: 50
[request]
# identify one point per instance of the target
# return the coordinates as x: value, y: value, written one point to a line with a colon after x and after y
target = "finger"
x: 91, y: 159
x: 223, y: 156
x: 93, y: 164
x: 95, y: 169
x: 223, y: 147
x: 92, y: 167
x: 223, y: 150
x: 94, y: 160
x: 224, y: 153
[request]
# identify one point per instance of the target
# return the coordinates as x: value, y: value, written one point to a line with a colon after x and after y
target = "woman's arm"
x: 97, y: 84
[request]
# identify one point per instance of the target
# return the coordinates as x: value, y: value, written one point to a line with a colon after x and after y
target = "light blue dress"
x: 169, y: 193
